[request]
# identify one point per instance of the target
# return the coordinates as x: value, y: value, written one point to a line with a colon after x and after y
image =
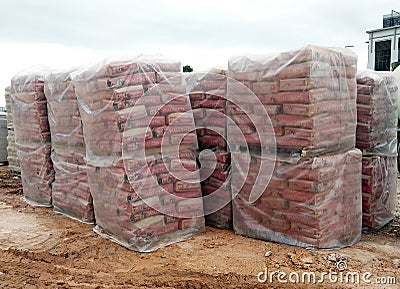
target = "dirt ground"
x: 42, y: 249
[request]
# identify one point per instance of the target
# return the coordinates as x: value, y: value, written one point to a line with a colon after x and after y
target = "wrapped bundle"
x: 12, y: 156
x: 309, y: 95
x: 70, y: 192
x: 216, y: 189
x: 108, y: 93
x: 377, y: 95
x: 309, y: 203
x: 32, y: 136
x: 3, y: 138
x: 140, y: 150
x: 208, y: 100
x: 7, y: 96
x: 149, y: 205
x: 379, y: 190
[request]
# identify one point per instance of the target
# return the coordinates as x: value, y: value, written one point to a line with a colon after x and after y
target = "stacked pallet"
x: 379, y: 190
x: 310, y: 203
x: 70, y: 191
x: 376, y: 112
x: 376, y: 136
x: 32, y: 136
x: 12, y: 157
x: 140, y: 149
x: 3, y: 138
x: 150, y: 203
x: 309, y: 95
x: 305, y: 101
x: 208, y: 100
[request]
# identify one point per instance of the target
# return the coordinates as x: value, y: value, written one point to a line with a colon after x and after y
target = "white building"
x: 384, y: 43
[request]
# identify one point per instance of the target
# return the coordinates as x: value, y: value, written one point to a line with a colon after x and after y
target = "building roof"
x: 382, y: 29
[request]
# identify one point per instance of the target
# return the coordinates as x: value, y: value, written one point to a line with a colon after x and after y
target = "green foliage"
x: 395, y: 65
x: 187, y: 68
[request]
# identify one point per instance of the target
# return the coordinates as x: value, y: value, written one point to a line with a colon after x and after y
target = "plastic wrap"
x: 377, y: 95
x: 12, y: 156
x: 32, y: 135
x: 107, y: 93
x: 7, y: 97
x: 138, y: 131
x: 3, y: 138
x: 379, y: 187
x: 70, y: 191
x: 309, y: 203
x: 309, y: 94
x: 208, y: 96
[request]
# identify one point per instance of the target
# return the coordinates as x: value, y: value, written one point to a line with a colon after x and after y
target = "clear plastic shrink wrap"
x: 310, y: 203
x: 140, y: 148
x: 309, y: 95
x: 379, y: 190
x: 377, y: 100
x: 377, y: 95
x: 70, y: 191
x: 32, y: 135
x: 208, y: 97
x: 312, y: 198
x: 12, y: 156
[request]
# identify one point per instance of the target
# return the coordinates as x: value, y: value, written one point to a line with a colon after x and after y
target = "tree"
x: 187, y: 68
x: 395, y: 65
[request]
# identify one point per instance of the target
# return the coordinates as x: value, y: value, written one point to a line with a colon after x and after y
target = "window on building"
x: 383, y: 55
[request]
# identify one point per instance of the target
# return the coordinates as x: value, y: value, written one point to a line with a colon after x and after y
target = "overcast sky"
x: 201, y: 33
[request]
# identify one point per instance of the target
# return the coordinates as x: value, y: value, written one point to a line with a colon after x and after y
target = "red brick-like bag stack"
x: 313, y: 196
x: 376, y: 112
x: 377, y: 95
x: 208, y: 100
x: 310, y: 203
x: 70, y: 191
x: 379, y: 190
x: 12, y: 156
x: 32, y: 136
x: 309, y: 95
x: 144, y: 197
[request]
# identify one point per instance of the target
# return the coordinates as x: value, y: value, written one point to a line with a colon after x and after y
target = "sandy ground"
x: 42, y: 249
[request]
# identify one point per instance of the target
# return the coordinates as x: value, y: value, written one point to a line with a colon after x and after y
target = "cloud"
x: 202, y: 33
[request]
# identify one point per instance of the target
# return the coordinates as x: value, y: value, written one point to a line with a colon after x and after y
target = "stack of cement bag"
x: 313, y: 196
x: 12, y: 157
x: 70, y: 191
x: 379, y: 187
x: 377, y: 96
x: 32, y: 136
x: 208, y: 99
x: 3, y: 137
x: 314, y: 202
x: 140, y: 149
x: 376, y: 112
x: 309, y: 95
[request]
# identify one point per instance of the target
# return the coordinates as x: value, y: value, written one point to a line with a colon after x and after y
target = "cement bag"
x: 309, y: 203
x: 379, y: 190
x: 70, y: 192
x: 32, y: 135
x: 208, y: 98
x: 309, y: 95
x: 140, y: 149
x: 377, y: 95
